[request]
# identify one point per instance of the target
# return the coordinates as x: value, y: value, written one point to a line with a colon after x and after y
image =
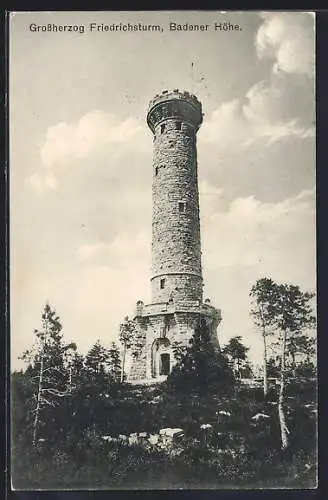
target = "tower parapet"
x: 174, y: 104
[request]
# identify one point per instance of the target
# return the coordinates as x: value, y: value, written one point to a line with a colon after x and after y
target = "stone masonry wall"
x: 178, y: 327
x: 176, y: 246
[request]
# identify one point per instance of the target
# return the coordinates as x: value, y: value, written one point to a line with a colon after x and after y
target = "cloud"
x: 273, y: 109
x: 274, y: 236
x: 250, y: 240
x: 237, y: 125
x: 124, y: 249
x: 42, y: 181
x: 68, y: 143
x: 287, y: 40
x: 77, y: 140
x: 112, y: 277
x: 263, y: 113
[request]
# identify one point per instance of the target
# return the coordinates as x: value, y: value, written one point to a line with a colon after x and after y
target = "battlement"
x: 167, y: 95
x: 174, y: 104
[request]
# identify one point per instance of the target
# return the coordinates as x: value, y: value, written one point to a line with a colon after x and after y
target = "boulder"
x: 106, y: 438
x: 260, y: 416
x: 109, y: 439
x: 153, y: 439
x: 133, y: 438
x: 224, y: 412
x: 206, y: 426
x: 171, y: 432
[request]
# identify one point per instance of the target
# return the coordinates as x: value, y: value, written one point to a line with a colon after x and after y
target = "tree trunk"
x: 37, y: 409
x: 265, y: 368
x: 293, y: 364
x: 123, y: 364
x: 281, y: 412
x: 238, y: 368
x: 70, y: 379
x: 265, y: 364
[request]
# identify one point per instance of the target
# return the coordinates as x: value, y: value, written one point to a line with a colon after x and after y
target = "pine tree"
x: 288, y: 312
x: 114, y: 363
x: 236, y: 352
x: 96, y: 369
x: 46, y: 366
x: 201, y: 368
x: 127, y: 336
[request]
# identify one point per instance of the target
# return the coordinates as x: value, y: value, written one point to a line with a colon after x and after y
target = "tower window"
x: 182, y: 207
x: 156, y: 170
x: 162, y: 283
x: 178, y: 125
x: 162, y: 127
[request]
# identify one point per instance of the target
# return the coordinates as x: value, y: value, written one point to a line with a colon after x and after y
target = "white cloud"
x: 266, y: 110
x: 77, y: 140
x: 248, y: 241
x: 125, y: 248
x: 114, y: 276
x: 42, y: 182
x: 237, y: 125
x: 226, y: 125
x: 206, y: 189
x: 89, y: 252
x: 285, y: 38
x: 66, y: 143
x: 274, y: 236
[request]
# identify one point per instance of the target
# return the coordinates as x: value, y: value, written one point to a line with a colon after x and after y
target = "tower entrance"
x: 164, y: 364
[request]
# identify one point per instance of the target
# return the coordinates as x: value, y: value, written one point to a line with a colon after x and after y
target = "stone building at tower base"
x: 159, y: 327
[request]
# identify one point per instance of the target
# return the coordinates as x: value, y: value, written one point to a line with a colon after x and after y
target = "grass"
x: 245, y: 455
x: 133, y: 468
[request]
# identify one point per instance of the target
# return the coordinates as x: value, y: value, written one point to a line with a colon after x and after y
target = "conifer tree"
x: 236, y: 351
x: 288, y: 312
x: 46, y: 366
x: 201, y: 368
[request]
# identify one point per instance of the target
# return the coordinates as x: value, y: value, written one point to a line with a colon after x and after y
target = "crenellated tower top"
x: 174, y: 104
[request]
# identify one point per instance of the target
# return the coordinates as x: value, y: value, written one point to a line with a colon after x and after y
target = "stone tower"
x: 176, y: 279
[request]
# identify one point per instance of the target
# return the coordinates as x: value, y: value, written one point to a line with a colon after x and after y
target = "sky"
x: 81, y: 163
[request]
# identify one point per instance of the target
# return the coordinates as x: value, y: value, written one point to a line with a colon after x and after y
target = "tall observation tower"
x: 174, y: 118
